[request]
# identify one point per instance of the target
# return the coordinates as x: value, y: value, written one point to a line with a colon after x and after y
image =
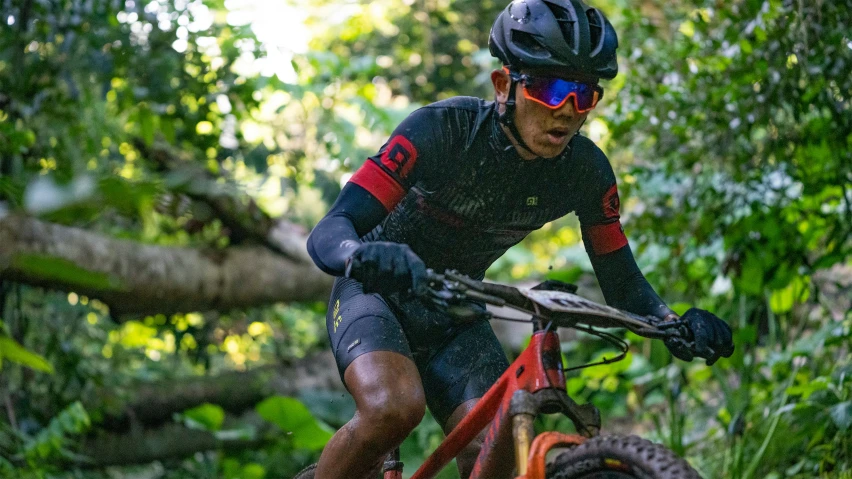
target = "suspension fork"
x: 522, y: 409
x: 530, y: 450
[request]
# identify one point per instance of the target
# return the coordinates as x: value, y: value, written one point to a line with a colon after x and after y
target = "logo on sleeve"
x: 399, y: 156
x: 611, y: 203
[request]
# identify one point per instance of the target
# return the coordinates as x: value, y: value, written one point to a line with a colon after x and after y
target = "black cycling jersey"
x: 450, y: 184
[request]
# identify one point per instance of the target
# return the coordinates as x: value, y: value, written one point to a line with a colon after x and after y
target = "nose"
x: 566, y: 110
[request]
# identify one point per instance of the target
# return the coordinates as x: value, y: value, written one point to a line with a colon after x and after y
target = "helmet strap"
x: 507, y: 118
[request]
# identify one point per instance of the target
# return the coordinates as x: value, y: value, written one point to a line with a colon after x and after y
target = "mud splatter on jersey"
x: 459, y: 194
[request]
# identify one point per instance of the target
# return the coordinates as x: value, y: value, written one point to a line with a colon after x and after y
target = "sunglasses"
x: 554, y: 92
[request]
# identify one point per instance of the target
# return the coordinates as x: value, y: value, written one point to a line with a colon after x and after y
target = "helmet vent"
x: 529, y: 44
x: 596, y: 28
x: 519, y: 11
x: 567, y: 21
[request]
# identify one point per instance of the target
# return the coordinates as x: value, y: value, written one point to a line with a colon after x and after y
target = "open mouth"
x: 557, y: 135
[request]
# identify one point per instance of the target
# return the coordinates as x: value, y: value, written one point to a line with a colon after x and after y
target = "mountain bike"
x: 534, y: 384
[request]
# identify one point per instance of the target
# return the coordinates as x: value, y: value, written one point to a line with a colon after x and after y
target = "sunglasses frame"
x: 523, y: 78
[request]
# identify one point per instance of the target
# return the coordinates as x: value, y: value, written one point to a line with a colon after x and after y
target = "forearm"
x: 355, y: 213
x: 636, y: 295
x: 331, y: 243
x: 625, y: 287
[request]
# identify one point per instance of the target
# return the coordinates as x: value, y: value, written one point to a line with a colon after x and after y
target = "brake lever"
x: 671, y: 330
x: 678, y: 328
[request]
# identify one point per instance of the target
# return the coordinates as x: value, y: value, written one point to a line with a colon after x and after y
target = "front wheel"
x: 307, y: 473
x: 619, y: 457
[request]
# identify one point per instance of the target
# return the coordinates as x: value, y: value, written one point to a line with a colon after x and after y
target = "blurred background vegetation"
x: 161, y: 162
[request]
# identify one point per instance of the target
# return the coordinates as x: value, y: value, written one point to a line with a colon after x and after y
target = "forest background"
x: 162, y: 161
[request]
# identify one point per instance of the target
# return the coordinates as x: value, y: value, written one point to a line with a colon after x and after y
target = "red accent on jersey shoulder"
x: 379, y: 184
x: 399, y: 156
x: 611, y: 203
x: 606, y: 238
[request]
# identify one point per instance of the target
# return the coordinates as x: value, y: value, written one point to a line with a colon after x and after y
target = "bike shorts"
x: 457, y: 362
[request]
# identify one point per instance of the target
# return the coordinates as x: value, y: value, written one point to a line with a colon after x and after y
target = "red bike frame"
x: 539, y: 367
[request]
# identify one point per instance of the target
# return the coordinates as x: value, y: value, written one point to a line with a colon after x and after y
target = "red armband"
x: 397, y: 157
x: 379, y: 184
x: 606, y: 238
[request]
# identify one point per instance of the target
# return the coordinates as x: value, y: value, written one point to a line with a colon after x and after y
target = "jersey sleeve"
x: 622, y: 283
x: 599, y: 212
x: 410, y: 152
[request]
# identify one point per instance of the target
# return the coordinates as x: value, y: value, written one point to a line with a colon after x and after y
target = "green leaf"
x: 783, y: 300
x: 208, y: 416
x: 52, y: 269
x: 566, y: 275
x: 293, y: 417
x: 808, y: 388
x: 751, y: 280
x: 841, y: 414
x: 11, y: 350
x: 680, y: 307
x: 146, y: 125
x: 253, y: 471
x: 243, y: 433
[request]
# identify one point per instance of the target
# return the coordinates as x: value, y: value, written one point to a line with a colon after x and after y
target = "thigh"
x: 462, y: 368
x: 360, y: 323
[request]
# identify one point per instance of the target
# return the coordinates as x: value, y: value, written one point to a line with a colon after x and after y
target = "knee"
x: 393, y: 414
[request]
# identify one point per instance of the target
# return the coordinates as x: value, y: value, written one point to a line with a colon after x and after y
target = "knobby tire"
x: 606, y: 457
x: 307, y: 473
x: 619, y: 457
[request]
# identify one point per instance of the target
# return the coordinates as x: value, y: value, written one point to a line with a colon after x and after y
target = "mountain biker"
x: 458, y: 183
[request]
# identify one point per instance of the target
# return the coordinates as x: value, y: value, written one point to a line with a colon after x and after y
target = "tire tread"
x: 652, y: 459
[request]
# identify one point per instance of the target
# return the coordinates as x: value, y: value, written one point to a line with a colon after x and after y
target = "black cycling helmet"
x: 563, y: 36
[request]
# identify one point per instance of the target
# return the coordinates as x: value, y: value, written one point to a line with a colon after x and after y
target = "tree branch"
x: 242, y: 216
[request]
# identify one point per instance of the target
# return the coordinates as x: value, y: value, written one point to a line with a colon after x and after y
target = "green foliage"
x: 730, y: 127
x: 206, y: 416
x: 295, y: 420
x: 10, y: 350
x: 33, y: 454
x: 57, y: 269
x: 50, y: 440
x: 727, y: 104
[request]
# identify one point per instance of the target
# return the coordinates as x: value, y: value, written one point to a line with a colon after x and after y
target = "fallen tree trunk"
x: 171, y: 441
x: 138, y: 279
x: 152, y: 404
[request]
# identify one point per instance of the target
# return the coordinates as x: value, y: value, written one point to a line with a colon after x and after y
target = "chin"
x: 551, y: 151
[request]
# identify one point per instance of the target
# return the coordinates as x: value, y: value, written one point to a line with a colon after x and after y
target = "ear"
x: 501, y: 82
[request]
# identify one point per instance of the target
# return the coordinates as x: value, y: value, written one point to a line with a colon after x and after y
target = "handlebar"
x: 457, y: 293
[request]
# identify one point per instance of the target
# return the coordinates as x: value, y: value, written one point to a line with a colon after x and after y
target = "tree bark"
x: 138, y: 279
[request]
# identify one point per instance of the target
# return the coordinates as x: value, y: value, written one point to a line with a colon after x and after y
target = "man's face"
x: 546, y: 131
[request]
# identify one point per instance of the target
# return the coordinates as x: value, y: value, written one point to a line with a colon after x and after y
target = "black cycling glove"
x: 712, y: 338
x: 385, y: 267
